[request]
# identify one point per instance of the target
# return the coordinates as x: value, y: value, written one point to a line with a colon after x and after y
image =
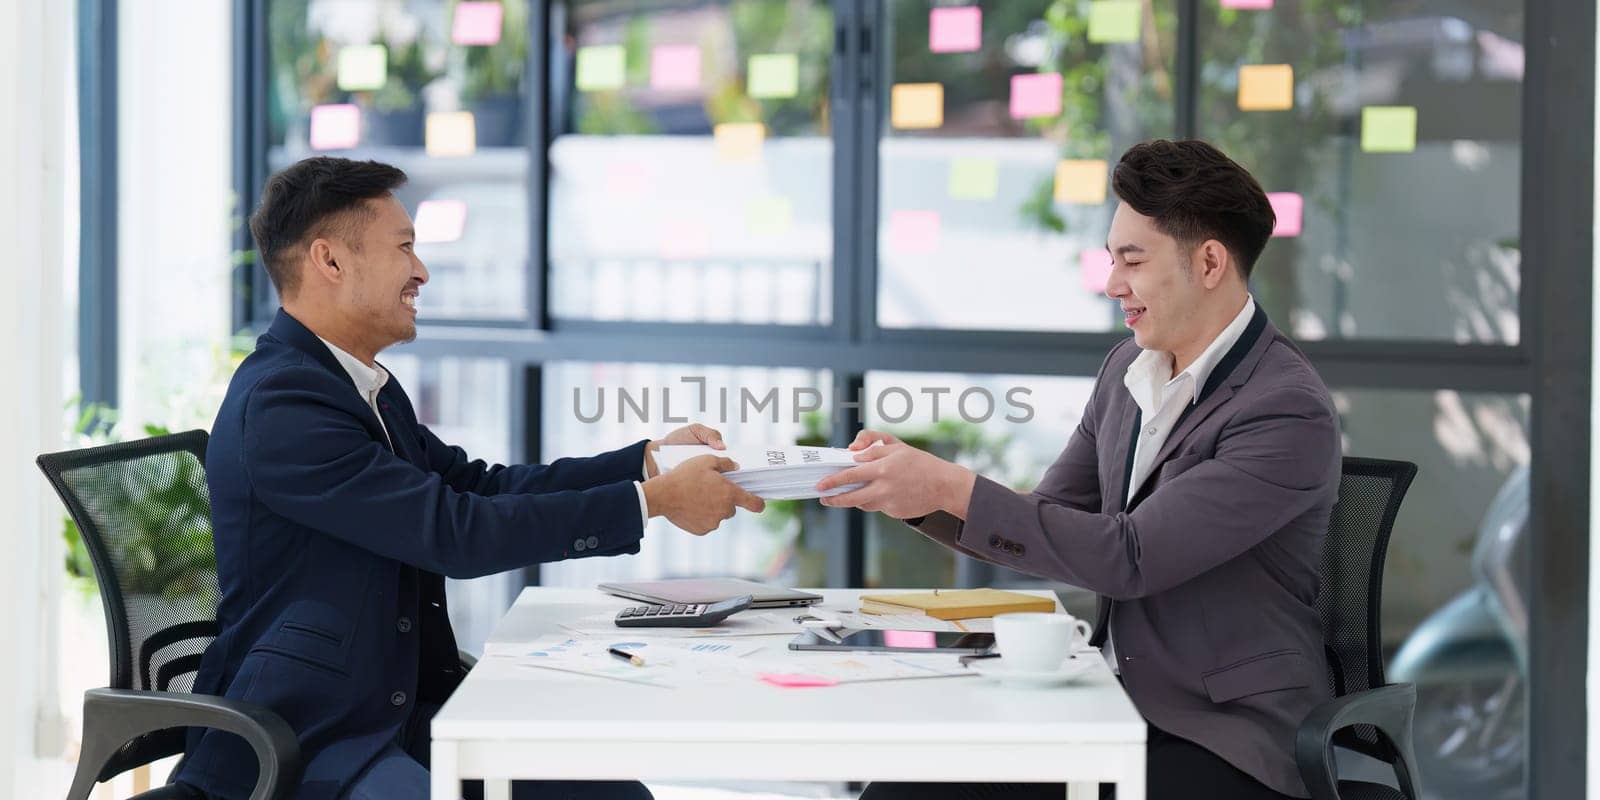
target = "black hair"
x: 315, y: 197
x: 1195, y: 193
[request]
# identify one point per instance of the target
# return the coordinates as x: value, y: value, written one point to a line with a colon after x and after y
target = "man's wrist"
x: 650, y: 468
x: 957, y: 494
x: 654, y: 501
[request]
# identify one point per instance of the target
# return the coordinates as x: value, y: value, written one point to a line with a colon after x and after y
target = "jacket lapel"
x: 1230, y: 373
x: 292, y: 332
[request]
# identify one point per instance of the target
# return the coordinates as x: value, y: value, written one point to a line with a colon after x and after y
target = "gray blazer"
x: 1209, y: 576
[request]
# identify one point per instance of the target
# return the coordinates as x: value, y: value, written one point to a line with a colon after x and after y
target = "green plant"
x: 169, y: 551
x: 496, y: 70
x: 408, y: 72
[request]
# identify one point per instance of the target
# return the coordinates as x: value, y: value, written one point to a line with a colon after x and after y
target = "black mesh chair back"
x: 145, y: 517
x: 1370, y: 492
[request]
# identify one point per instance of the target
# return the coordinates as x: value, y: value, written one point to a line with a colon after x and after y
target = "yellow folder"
x: 955, y: 603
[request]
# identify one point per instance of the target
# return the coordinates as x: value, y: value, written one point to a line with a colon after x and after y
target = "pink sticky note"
x: 914, y: 231
x: 920, y: 640
x: 1248, y: 5
x: 626, y: 179
x: 1094, y: 266
x: 685, y: 239
x: 440, y: 221
x: 1035, y: 95
x: 477, y: 23
x: 955, y: 30
x: 791, y: 680
x: 675, y: 66
x: 1290, y: 208
x: 335, y: 127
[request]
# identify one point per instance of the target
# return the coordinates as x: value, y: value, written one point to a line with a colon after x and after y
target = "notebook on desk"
x: 956, y: 603
x: 709, y: 590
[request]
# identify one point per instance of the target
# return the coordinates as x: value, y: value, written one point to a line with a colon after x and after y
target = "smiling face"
x: 1153, y: 277
x: 381, y: 275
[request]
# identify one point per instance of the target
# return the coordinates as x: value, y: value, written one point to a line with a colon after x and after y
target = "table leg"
x: 1085, y: 791
x: 444, y: 781
x: 496, y: 789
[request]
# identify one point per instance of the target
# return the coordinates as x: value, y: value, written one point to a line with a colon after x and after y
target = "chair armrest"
x: 112, y: 717
x: 1388, y: 708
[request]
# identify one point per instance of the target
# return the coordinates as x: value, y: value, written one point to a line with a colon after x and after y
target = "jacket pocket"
x: 312, y: 633
x: 1268, y: 672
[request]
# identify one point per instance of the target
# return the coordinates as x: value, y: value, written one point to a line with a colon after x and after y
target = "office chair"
x: 1366, y: 715
x: 145, y: 518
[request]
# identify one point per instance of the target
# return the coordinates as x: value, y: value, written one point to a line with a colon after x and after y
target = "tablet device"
x: 895, y: 641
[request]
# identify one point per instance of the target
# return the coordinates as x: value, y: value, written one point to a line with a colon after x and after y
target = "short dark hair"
x: 1195, y: 193
x: 312, y: 198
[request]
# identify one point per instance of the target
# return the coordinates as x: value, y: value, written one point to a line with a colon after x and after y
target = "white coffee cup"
x: 1036, y: 641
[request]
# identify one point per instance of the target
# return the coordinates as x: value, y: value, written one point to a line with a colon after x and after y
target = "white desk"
x: 537, y: 724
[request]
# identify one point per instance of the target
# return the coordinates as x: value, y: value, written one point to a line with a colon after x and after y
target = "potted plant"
x: 395, y: 117
x: 491, y: 86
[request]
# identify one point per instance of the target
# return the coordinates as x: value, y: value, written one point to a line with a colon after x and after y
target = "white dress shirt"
x: 369, y: 380
x: 1162, y: 397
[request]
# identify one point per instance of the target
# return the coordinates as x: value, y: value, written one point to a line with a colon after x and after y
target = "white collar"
x: 367, y: 379
x: 1146, y: 371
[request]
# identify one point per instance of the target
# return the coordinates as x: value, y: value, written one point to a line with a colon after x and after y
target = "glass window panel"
x: 690, y: 173
x: 594, y: 407
x: 968, y: 179
x: 396, y: 82
x: 466, y: 402
x: 1007, y: 427
x: 1406, y: 233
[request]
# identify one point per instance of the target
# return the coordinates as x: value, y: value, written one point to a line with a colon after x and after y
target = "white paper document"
x: 772, y: 473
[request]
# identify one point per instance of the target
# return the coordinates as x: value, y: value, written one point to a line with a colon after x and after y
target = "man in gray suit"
x: 1193, y: 497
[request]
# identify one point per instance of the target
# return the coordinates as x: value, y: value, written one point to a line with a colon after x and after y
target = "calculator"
x: 696, y: 615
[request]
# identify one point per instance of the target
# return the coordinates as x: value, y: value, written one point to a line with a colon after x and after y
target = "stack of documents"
x: 951, y: 604
x: 772, y: 473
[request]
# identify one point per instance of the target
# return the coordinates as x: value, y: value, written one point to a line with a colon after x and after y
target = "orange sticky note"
x: 450, y: 134
x: 1081, y: 181
x: 1266, y: 87
x: 916, y: 105
x: 739, y: 142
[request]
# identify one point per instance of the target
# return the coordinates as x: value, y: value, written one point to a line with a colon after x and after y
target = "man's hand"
x: 902, y: 481
x: 696, y: 497
x: 688, y: 434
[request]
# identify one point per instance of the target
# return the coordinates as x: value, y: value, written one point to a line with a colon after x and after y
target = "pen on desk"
x: 626, y: 656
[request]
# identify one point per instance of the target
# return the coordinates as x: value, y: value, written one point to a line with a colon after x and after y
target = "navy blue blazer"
x: 332, y: 551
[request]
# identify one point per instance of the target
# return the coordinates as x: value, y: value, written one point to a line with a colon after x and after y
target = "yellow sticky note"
x: 363, y: 67
x: 773, y: 76
x: 1266, y: 87
x: 450, y: 134
x: 601, y: 68
x: 1112, y: 21
x: 1389, y: 129
x: 974, y: 178
x: 916, y: 105
x: 739, y: 142
x: 770, y: 215
x: 1081, y: 181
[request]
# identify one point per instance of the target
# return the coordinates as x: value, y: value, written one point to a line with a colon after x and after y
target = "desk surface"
x: 537, y: 704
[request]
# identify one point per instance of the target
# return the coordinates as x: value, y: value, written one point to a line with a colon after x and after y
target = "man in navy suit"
x: 337, y: 515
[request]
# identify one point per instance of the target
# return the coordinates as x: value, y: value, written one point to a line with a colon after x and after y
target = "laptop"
x: 709, y: 590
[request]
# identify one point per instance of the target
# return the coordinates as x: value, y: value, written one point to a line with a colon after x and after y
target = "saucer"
x: 1073, y: 668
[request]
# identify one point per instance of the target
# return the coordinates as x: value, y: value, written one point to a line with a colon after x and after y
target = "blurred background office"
x: 874, y: 212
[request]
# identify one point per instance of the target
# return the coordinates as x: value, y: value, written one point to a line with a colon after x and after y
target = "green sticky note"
x: 770, y: 215
x: 974, y: 178
x: 774, y: 75
x: 1112, y: 21
x: 1389, y: 129
x: 601, y: 68
x: 363, y: 67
